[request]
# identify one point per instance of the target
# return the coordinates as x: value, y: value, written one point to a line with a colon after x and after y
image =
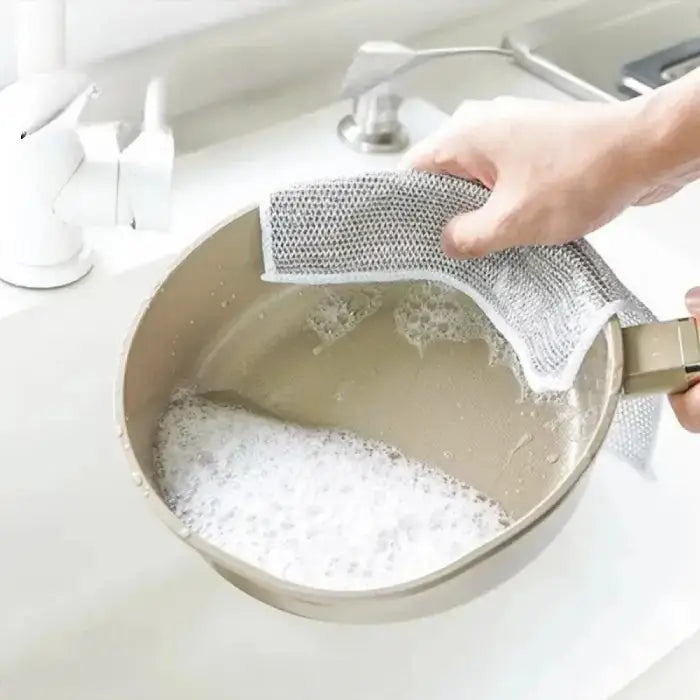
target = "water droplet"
x: 552, y: 459
x: 224, y: 304
x: 146, y: 493
x: 185, y: 532
x: 448, y: 455
x: 233, y: 296
x: 172, y: 354
x: 317, y: 350
x: 211, y: 294
x: 191, y: 322
x: 524, y: 439
x: 120, y: 432
x: 221, y: 284
x: 261, y: 316
x: 138, y: 479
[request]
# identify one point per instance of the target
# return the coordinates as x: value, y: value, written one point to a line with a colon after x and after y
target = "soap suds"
x: 321, y: 508
x: 338, y: 314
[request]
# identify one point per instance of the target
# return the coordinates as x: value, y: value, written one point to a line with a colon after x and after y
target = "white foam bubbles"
x: 320, y: 508
x: 339, y: 313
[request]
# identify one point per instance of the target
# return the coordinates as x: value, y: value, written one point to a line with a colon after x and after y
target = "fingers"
x: 692, y: 301
x: 480, y: 232
x: 687, y: 409
x: 422, y: 155
x: 431, y: 153
x: 445, y: 152
x: 450, y: 148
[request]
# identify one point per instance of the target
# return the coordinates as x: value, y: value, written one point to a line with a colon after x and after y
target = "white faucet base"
x: 47, y: 276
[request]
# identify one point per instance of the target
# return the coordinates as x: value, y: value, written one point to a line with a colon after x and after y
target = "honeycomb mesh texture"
x: 549, y: 302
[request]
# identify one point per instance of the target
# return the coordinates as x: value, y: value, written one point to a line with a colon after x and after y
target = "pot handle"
x: 661, y: 358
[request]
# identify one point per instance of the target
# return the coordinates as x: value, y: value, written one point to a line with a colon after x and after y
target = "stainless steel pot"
x: 214, y: 324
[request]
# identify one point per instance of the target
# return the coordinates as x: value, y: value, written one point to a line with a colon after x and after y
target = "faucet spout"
x: 378, y: 62
x: 41, y: 36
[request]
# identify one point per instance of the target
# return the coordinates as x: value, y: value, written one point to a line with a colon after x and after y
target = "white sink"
x: 98, y: 600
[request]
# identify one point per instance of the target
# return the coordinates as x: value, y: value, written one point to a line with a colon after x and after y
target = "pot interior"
x: 397, y: 363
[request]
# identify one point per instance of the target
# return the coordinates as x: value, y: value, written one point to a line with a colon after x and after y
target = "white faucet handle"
x: 146, y: 167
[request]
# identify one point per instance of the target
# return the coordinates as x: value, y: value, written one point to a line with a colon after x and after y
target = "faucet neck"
x: 41, y: 36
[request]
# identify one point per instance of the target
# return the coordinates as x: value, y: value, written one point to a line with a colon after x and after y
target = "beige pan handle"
x: 661, y: 358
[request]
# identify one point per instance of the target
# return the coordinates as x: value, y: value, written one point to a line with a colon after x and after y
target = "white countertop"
x: 98, y: 600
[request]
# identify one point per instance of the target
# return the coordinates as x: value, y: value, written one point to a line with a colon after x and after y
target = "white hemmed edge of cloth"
x: 558, y: 382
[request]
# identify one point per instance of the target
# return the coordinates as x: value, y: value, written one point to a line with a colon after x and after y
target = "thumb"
x: 687, y: 408
x: 489, y: 229
x: 692, y: 301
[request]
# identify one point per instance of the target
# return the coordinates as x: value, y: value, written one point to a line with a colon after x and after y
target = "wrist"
x: 665, y: 127
x: 629, y: 146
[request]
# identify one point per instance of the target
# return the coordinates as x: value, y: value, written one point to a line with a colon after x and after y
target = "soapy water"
x: 429, y: 312
x: 432, y: 312
x: 327, y: 508
x: 317, y: 507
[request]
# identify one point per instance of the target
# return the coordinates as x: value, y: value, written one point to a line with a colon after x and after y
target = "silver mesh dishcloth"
x: 549, y: 302
x: 633, y: 431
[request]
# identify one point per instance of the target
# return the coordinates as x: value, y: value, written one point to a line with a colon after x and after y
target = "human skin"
x: 558, y: 171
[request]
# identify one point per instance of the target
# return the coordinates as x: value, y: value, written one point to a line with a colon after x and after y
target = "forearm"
x: 666, y: 127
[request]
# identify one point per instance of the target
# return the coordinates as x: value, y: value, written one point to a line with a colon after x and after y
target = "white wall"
x: 218, y: 50
x: 101, y: 28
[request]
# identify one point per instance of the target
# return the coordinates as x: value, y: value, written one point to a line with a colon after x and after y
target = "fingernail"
x: 692, y: 301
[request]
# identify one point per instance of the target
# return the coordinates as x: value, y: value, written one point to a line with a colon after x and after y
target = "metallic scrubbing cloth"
x: 549, y: 303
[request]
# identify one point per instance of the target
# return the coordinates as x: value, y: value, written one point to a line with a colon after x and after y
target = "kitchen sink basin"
x: 99, y: 600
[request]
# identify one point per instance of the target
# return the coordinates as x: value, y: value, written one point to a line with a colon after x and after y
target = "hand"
x: 687, y: 406
x: 557, y: 171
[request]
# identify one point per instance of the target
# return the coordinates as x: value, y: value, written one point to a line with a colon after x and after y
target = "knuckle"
x: 441, y: 155
x: 471, y: 114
